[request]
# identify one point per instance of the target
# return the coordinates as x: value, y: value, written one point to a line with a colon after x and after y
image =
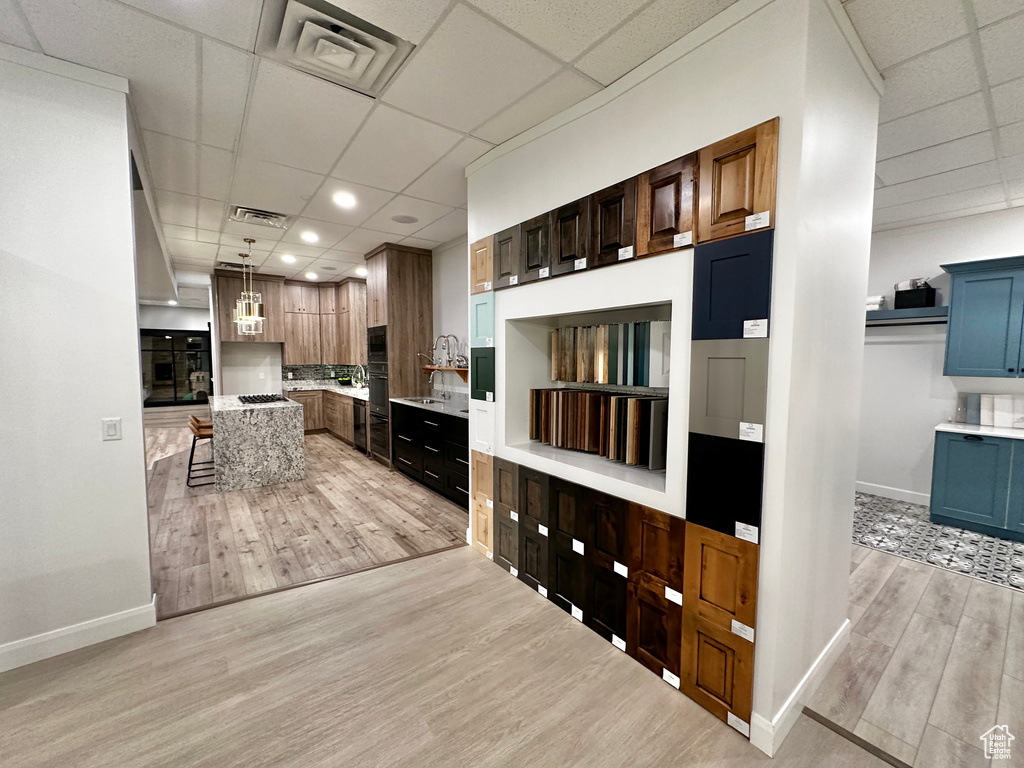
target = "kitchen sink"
x: 423, y: 400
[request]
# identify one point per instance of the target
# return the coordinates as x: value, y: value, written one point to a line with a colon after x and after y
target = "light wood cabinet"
x: 338, y: 416
x: 351, y: 322
x: 227, y: 290
x: 301, y: 339
x: 377, y: 289
x: 312, y: 408
x: 327, y: 299
x: 481, y: 519
x: 302, y: 297
x: 482, y: 472
x: 481, y: 265
x: 330, y: 354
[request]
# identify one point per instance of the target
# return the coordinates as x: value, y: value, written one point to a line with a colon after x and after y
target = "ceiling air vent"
x: 317, y: 37
x: 229, y: 265
x: 256, y: 216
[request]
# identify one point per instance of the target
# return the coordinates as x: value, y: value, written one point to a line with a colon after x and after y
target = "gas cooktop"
x: 260, y: 399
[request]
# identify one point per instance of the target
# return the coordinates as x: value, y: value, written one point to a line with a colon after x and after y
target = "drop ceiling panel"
x: 172, y: 162
x: 190, y: 249
x: 1008, y: 100
x: 176, y: 209
x: 274, y: 261
x: 988, y: 11
x: 1011, y: 139
x: 368, y: 201
x: 957, y: 214
x: 207, y: 236
x: 328, y: 233
x: 424, y: 211
x: 211, y: 214
x: 158, y: 58
x: 299, y: 249
x: 12, y: 27
x: 922, y: 25
x: 657, y: 26
x: 559, y: 93
x: 954, y: 120
x: 467, y: 71
x: 969, y: 150
x: 1013, y: 168
x: 233, y: 21
x: 392, y: 149
x: 231, y: 253
x: 342, y: 257
x: 419, y: 242
x: 193, y: 265
x: 272, y: 187
x: 933, y: 78
x: 300, y: 121
x: 364, y: 240
x: 235, y: 233
x: 971, y: 177
x: 409, y: 19
x: 1001, y: 48
x: 276, y: 271
x: 959, y: 201
x: 215, y: 169
x: 179, y: 233
x: 225, y: 88
x: 446, y: 181
x: 446, y: 228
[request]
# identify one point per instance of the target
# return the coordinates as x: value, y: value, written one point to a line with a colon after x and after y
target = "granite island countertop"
x: 232, y: 403
x: 256, y: 444
x: 327, y: 385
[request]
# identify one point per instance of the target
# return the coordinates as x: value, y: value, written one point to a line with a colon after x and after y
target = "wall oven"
x: 379, y: 389
x: 377, y: 344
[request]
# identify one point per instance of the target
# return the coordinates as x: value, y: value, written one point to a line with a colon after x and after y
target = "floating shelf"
x: 463, y: 372
x: 916, y: 316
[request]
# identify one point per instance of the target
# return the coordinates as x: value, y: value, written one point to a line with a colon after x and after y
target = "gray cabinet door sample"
x: 728, y: 384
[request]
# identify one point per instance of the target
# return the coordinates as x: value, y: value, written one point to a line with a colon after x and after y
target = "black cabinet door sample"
x: 568, y: 546
x: 482, y: 362
x: 724, y: 481
x: 506, y: 258
x: 613, y: 222
x: 731, y: 284
x: 533, y: 555
x: 535, y: 248
x: 533, y: 497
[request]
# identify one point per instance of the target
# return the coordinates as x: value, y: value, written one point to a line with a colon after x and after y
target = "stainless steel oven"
x: 379, y: 389
x: 380, y: 438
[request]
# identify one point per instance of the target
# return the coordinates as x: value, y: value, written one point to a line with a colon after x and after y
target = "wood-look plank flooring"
x: 173, y: 415
x: 441, y: 661
x: 936, y: 658
x: 347, y: 514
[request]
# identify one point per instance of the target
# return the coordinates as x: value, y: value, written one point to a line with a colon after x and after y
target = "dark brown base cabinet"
x: 433, y: 449
x: 506, y: 515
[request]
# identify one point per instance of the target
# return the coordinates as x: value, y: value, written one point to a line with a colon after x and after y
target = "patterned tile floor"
x: 904, y: 529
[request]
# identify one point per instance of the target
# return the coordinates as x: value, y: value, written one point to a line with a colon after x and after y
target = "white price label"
x: 673, y: 596
x: 487, y: 285
x: 626, y: 253
x: 577, y: 613
x: 545, y: 272
x: 752, y: 432
x: 746, y: 532
x: 669, y: 678
x: 514, y: 280
x: 542, y: 530
x: 490, y: 555
x: 619, y: 643
x: 490, y: 504
x: 621, y: 569
x: 543, y: 591
x: 490, y: 397
x: 741, y: 629
x: 577, y: 546
x: 514, y: 515
x: 683, y: 239
x: 489, y: 341
x: 739, y: 725
x: 579, y: 264
x: 757, y: 221
x: 755, y: 329
x: 513, y: 570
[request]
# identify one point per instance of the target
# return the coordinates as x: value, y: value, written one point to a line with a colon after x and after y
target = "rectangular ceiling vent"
x: 319, y: 38
x: 228, y: 265
x: 256, y: 216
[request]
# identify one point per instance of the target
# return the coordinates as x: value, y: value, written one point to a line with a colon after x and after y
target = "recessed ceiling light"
x: 344, y: 199
x: 361, y: 271
x: 309, y: 236
x: 403, y: 218
x: 173, y: 303
x: 288, y: 258
x: 311, y: 275
x: 329, y: 269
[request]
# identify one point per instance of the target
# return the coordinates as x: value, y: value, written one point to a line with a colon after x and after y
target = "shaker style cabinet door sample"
x: 724, y: 477
x: 983, y: 335
x: 535, y: 248
x: 717, y: 669
x: 569, y: 535
x: 737, y: 180
x: 482, y: 374
x: 570, y: 237
x: 728, y: 385
x: 481, y: 265
x: 732, y: 285
x: 665, y: 206
x: 506, y: 258
x: 613, y: 223
x: 481, y: 315
x: 607, y: 571
x: 720, y: 579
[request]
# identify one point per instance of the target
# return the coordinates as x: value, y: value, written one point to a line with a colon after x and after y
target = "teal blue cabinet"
x: 481, y: 315
x: 1015, y: 510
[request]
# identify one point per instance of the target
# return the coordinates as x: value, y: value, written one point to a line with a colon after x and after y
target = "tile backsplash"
x: 316, y: 371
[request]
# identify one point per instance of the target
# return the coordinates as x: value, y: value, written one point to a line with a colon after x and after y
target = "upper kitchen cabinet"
x: 328, y: 299
x: 613, y: 224
x: 570, y: 237
x: 737, y: 181
x: 351, y: 320
x: 986, y: 309
x: 506, y: 258
x: 665, y: 207
x: 535, y: 248
x: 302, y: 297
x: 376, y: 288
x: 732, y: 287
x: 228, y: 289
x: 481, y: 265
x: 302, y: 339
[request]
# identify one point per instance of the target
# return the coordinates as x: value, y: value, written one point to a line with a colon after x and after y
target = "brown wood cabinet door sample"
x: 613, y: 223
x: 301, y: 339
x: 653, y: 628
x: 482, y: 472
x: 329, y: 350
x: 506, y: 258
x: 607, y: 572
x: 665, y: 206
x: 533, y: 555
x: 656, y: 546
x: 533, y: 496
x: 480, y: 535
x: 737, y: 179
x: 506, y: 515
x: 481, y: 265
x: 717, y: 669
x: 720, y: 579
x: 570, y: 237
x: 569, y: 536
x: 535, y: 248
x: 506, y: 484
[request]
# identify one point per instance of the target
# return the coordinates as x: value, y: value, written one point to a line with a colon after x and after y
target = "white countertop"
x: 232, y: 403
x: 305, y: 385
x: 976, y: 429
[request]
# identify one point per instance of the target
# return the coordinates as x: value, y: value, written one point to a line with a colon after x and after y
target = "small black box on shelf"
x: 915, y: 298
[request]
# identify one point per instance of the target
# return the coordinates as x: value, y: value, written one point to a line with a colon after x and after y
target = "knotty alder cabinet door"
x: 506, y: 515
x: 535, y: 248
x: 301, y: 339
x: 613, y: 223
x: 481, y: 265
x: 533, y: 529
x: 737, y: 180
x: 570, y: 237
x: 506, y: 258
x: 480, y: 535
x: 482, y: 474
x: 665, y: 206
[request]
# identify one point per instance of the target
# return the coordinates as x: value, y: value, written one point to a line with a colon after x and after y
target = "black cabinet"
x: 724, y: 480
x: 607, y: 569
x: 431, y: 448
x: 731, y: 284
x: 482, y: 373
x: 613, y: 223
x: 533, y: 529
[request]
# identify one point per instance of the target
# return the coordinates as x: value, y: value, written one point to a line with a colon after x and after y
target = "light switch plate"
x: 111, y: 429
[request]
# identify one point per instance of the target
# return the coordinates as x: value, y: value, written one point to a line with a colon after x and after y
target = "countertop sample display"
x: 453, y: 407
x: 976, y: 429
x: 327, y: 385
x: 256, y: 444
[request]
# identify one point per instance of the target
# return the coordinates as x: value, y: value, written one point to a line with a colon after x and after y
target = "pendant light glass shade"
x: 248, y: 312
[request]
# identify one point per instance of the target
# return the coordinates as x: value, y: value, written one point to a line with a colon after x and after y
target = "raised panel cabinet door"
x: 971, y: 478
x: 613, y: 223
x: 481, y: 265
x: 608, y: 572
x: 535, y: 248
x: 607, y: 600
x: 656, y: 547
x: 506, y: 258
x: 506, y: 485
x: 506, y: 539
x: 480, y: 517
x: 653, y: 628
x: 569, y: 532
x: 533, y: 555
x: 482, y: 474
x: 665, y: 205
x: 533, y: 498
x: 482, y: 373
x: 301, y: 339
x: 983, y: 336
x: 567, y: 578
x: 737, y: 180
x: 327, y: 298
x: 724, y: 479
x: 728, y: 385
x: 570, y: 237
x: 481, y: 320
x: 717, y: 669
x: 732, y: 282
x: 720, y: 578
x: 329, y: 348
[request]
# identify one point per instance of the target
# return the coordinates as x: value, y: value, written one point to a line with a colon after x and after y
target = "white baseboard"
x: 768, y: 735
x: 912, y: 497
x: 49, y: 644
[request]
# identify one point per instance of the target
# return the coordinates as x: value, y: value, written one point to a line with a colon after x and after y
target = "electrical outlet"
x: 111, y: 429
x: 262, y: 375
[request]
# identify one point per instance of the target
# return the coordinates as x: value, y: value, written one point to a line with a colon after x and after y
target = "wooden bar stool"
x: 201, y: 430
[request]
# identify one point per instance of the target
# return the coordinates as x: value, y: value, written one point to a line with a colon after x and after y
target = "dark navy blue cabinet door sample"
x: 506, y: 258
x: 724, y: 478
x: 535, y: 248
x: 482, y: 373
x: 971, y: 478
x: 731, y: 284
x: 570, y: 237
x: 984, y: 333
x: 613, y: 223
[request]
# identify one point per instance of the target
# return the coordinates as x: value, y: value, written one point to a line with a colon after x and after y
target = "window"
x: 176, y: 367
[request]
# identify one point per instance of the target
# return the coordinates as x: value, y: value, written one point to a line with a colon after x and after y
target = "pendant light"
x: 248, y: 313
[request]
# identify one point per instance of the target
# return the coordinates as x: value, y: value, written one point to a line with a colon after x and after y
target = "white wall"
x: 451, y: 300
x: 250, y: 368
x: 74, y: 552
x: 167, y: 318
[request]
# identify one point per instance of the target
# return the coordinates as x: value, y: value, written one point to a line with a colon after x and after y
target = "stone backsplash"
x: 316, y: 371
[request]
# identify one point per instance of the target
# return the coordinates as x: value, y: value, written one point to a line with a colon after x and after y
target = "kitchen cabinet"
x: 971, y: 481
x: 302, y: 298
x: 338, y: 416
x: 724, y: 478
x: 612, y: 222
x: 377, y: 290
x: 229, y: 288
x: 506, y: 258
x: 481, y: 265
x: 607, y: 569
x: 570, y: 237
x: 737, y: 180
x: 535, y: 248
x: 327, y: 299
x: 481, y: 320
x: 431, y: 448
x: 482, y: 474
x: 330, y: 353
x: 569, y: 537
x: 481, y: 361
x: 312, y: 408
x: 506, y: 516
x: 986, y: 309
x: 533, y: 529
x: 728, y: 385
x: 731, y: 284
x: 480, y: 525
x: 351, y: 323
x: 665, y: 206
x: 301, y: 339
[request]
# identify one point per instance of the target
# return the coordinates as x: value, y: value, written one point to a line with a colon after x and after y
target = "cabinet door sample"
x: 481, y: 316
x: 971, y: 478
x: 535, y: 248
x: 728, y: 384
x: 533, y: 556
x: 481, y: 426
x: 570, y: 237
x: 731, y: 284
x: 506, y: 539
x: 724, y: 478
x: 301, y: 339
x: 612, y: 222
x: 665, y: 205
x: 506, y: 258
x: 717, y: 669
x: 482, y: 474
x: 482, y: 373
x: 569, y: 536
x: 506, y: 485
x: 480, y: 524
x: 983, y: 336
x: 656, y: 542
x: 533, y: 497
x: 719, y: 578
x: 607, y: 601
x: 607, y: 572
x: 609, y: 539
x: 653, y: 628
x: 481, y: 265
x: 737, y: 179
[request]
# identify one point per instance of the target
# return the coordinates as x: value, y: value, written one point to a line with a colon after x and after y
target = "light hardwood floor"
x: 441, y: 661
x: 936, y: 658
x: 349, y: 513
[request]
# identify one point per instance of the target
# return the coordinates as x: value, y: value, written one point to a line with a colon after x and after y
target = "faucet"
x: 430, y: 360
x: 447, y: 352
x: 444, y: 389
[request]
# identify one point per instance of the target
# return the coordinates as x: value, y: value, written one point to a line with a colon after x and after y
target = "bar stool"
x: 201, y: 430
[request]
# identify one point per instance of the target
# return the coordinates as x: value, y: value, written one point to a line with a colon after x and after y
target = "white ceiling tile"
x: 233, y: 21
x: 989, y: 11
x: 286, y: 273
x: 176, y: 209
x: 215, y: 168
x: 328, y: 233
x: 446, y: 228
x: 193, y: 265
x: 446, y: 181
x: 12, y: 27
x: 346, y: 257
x: 276, y: 261
x: 946, y: 122
x: 1016, y: 189
x: 172, y: 162
x: 894, y: 30
x: 392, y: 149
x: 178, y: 232
x: 1011, y: 139
x: 1008, y: 100
x: 564, y: 29
x: 368, y: 201
x: 272, y: 187
x: 424, y: 211
x: 266, y: 237
x: 972, y: 177
x: 190, y: 249
x: 356, y: 270
x: 300, y: 249
x: 955, y: 214
x: 418, y: 242
x: 328, y: 270
x: 265, y: 259
x: 225, y: 88
x: 207, y: 236
x: 234, y: 255
x: 941, y: 75
x: 158, y: 58
x: 959, y: 153
x: 409, y: 19
x: 1013, y: 167
x: 1001, y: 49
x: 364, y: 240
x: 991, y: 195
x: 656, y: 27
x: 211, y: 213
x: 467, y: 71
x: 558, y: 94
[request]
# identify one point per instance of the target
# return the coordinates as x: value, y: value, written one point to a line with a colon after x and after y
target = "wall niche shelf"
x: 916, y: 316
x: 463, y: 372
x: 638, y: 476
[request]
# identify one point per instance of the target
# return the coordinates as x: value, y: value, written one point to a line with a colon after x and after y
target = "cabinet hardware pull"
x: 432, y: 450
x: 405, y: 460
x: 407, y: 439
x: 432, y: 474
x: 430, y: 423
x: 457, y: 488
x: 462, y: 460
x: 973, y: 437
x: 1010, y: 370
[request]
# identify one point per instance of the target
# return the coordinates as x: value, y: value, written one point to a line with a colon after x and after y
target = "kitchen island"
x: 257, y: 444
